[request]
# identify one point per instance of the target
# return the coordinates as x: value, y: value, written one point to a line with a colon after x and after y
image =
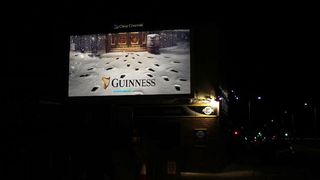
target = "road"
x: 303, y: 164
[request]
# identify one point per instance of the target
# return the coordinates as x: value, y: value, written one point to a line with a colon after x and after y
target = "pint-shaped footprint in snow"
x: 148, y: 74
x: 165, y: 78
x: 182, y: 79
x: 177, y: 87
x: 84, y: 75
x: 105, y: 82
x: 94, y: 88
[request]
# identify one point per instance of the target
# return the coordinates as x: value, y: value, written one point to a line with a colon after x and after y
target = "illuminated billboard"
x: 130, y: 63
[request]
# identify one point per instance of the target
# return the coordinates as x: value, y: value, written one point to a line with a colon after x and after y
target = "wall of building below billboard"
x: 196, y: 144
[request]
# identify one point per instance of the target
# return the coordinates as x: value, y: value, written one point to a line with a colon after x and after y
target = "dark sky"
x: 264, y: 50
x: 272, y: 53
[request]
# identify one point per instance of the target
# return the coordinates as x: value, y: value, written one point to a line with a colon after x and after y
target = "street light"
x: 249, y: 107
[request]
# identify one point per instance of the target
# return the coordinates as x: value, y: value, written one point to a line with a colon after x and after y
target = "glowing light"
x: 207, y: 110
x: 306, y: 104
x: 210, y: 104
x: 259, y: 97
x: 214, y: 104
x: 207, y: 101
x: 286, y: 134
x: 272, y: 120
x: 235, y: 132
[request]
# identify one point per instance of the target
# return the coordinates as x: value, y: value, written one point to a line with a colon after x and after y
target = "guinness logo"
x: 105, y: 82
x: 126, y: 83
x: 133, y: 82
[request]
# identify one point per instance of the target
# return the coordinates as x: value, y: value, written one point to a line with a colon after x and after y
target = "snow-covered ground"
x: 170, y: 70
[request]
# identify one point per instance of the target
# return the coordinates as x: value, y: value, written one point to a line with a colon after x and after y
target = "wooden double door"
x: 128, y: 41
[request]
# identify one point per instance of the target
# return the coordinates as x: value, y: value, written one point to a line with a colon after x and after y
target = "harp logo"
x: 105, y: 82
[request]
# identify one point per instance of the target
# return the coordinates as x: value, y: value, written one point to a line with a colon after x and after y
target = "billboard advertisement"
x: 130, y: 63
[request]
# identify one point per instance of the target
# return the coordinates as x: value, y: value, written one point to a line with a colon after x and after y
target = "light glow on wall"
x: 210, y: 105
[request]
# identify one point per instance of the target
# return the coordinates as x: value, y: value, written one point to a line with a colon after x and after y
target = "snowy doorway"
x: 128, y: 42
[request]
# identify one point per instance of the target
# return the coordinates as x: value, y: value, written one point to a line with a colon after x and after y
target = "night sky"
x: 272, y: 54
